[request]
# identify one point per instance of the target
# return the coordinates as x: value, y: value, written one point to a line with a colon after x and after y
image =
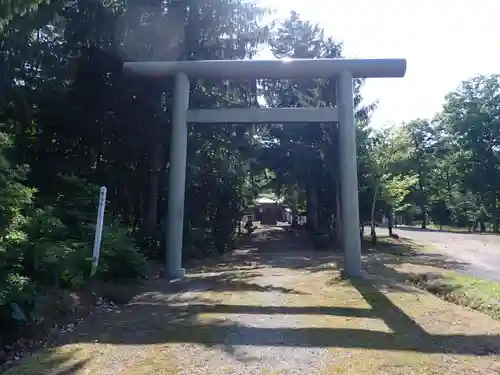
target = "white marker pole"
x: 98, y: 230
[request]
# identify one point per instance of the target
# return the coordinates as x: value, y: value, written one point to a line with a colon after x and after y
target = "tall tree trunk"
x: 312, y: 209
x: 338, y: 215
x: 494, y: 211
x: 423, y: 208
x: 424, y: 219
x: 390, y: 220
x: 155, y: 160
x: 423, y: 202
x: 361, y: 231
x: 154, y: 188
x: 373, y: 232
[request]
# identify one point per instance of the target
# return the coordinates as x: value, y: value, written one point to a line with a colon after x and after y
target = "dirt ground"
x: 276, y: 307
x: 479, y: 254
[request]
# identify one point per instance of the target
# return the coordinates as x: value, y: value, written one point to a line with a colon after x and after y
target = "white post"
x: 98, y: 230
x: 351, y: 241
x: 177, y: 181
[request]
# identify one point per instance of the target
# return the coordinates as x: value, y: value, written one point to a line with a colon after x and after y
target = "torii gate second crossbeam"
x: 344, y: 69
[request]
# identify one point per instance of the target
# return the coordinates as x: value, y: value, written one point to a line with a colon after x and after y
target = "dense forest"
x: 71, y: 122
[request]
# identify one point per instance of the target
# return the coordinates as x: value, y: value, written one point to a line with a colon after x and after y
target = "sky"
x: 444, y: 42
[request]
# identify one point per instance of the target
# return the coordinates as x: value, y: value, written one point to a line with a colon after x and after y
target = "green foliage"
x: 12, y: 8
x: 47, y: 246
x: 17, y: 300
x: 447, y: 169
x: 395, y: 190
x: 120, y: 258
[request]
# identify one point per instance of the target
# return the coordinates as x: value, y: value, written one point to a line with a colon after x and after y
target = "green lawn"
x: 433, y: 275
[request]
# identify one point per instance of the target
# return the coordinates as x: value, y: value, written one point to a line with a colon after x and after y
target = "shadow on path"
x: 150, y: 322
x: 163, y: 316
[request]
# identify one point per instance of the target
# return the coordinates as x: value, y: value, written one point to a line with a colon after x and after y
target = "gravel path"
x: 478, y: 253
x: 257, y: 343
x: 276, y: 307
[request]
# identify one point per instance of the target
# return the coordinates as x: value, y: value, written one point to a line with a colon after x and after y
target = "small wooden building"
x: 268, y: 211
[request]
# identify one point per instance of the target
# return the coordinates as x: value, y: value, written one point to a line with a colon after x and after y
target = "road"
x: 479, y: 253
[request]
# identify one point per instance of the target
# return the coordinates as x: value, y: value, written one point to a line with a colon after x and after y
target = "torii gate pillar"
x: 351, y: 241
x: 344, y: 69
x: 177, y: 180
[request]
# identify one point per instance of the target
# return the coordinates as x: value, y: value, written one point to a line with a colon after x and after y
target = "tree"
x: 453, y: 157
x: 69, y: 110
x: 304, y: 156
x: 471, y: 115
x: 390, y: 188
x: 14, y: 8
x: 418, y: 140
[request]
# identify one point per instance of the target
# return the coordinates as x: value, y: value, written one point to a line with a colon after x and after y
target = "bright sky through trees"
x: 444, y: 41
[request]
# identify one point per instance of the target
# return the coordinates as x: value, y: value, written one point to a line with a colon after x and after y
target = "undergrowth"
x: 46, y: 243
x: 481, y: 295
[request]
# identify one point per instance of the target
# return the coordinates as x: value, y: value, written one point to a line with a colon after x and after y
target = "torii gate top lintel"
x: 287, y: 68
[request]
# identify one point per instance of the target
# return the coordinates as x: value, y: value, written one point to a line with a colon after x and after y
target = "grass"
x: 468, y: 291
x: 448, y: 228
x: 433, y: 275
x: 451, y: 228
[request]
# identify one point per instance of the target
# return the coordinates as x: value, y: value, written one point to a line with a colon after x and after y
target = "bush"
x: 17, y: 301
x: 51, y: 245
x: 119, y: 256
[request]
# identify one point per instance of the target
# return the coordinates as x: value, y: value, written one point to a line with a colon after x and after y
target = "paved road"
x: 480, y: 253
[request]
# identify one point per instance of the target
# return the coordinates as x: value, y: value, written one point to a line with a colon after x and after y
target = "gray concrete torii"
x: 344, y: 69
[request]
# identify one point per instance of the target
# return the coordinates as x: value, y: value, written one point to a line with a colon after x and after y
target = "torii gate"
x: 344, y: 69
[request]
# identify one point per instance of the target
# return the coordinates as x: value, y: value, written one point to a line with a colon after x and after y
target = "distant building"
x: 268, y: 210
